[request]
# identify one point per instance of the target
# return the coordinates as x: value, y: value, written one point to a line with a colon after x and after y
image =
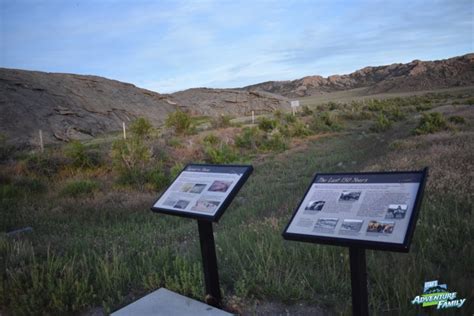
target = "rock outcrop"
x: 68, y: 106
x: 414, y: 76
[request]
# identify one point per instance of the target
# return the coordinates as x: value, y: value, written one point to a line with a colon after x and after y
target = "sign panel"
x: 203, y: 191
x: 371, y: 210
x: 295, y: 103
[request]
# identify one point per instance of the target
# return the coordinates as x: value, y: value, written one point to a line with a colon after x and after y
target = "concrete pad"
x: 166, y: 302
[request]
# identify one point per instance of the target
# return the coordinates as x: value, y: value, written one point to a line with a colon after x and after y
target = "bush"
x: 275, y: 142
x: 457, y: 119
x: 266, y: 124
x: 180, y: 121
x: 130, y: 154
x: 381, y: 124
x: 157, y: 178
x: 211, y: 139
x: 249, y: 138
x: 141, y: 127
x: 130, y: 158
x: 290, y: 118
x: 431, y: 123
x: 221, y: 153
x: 306, y: 111
x: 80, y: 156
x: 299, y: 129
x: 221, y: 121
x: 326, y: 121
x: 79, y: 188
x: 43, y: 164
x: 396, y: 114
x: 175, y: 170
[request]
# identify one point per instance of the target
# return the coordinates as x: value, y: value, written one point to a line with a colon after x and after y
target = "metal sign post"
x: 209, y: 263
x: 368, y: 210
x: 360, y: 302
x: 203, y: 192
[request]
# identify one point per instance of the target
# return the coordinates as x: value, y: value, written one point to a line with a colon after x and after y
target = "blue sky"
x: 174, y: 45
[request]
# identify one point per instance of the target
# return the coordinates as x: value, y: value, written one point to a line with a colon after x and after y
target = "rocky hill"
x: 211, y: 102
x: 414, y: 76
x: 68, y: 106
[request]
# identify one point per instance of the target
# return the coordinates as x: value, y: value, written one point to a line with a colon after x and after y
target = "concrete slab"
x: 165, y: 302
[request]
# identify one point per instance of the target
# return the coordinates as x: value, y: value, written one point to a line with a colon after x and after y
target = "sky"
x: 168, y: 46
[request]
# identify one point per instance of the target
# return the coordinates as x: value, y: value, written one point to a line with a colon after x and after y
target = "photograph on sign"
x: 202, y: 190
x: 365, y: 207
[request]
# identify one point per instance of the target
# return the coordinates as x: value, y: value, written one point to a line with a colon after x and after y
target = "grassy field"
x: 95, y: 244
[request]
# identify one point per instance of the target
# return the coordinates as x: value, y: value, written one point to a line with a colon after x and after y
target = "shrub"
x: 431, y: 123
x: 381, y: 124
x: 290, y: 118
x: 456, y: 119
x: 306, y: 111
x: 423, y: 107
x: 130, y: 158
x: 396, y: 114
x: 141, y: 127
x: 80, y: 156
x: 221, y: 121
x: 375, y: 105
x: 157, y: 178
x: 266, y: 124
x: 275, y: 142
x: 175, y: 170
x: 470, y: 101
x: 174, y: 142
x: 249, y: 138
x: 43, y: 164
x: 211, y: 139
x: 129, y: 154
x: 278, y: 114
x: 326, y: 121
x: 79, y: 188
x: 221, y: 153
x: 299, y: 129
x: 180, y: 121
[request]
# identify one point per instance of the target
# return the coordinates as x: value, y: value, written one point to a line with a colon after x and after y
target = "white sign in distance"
x: 203, y: 191
x: 295, y: 104
x: 371, y: 210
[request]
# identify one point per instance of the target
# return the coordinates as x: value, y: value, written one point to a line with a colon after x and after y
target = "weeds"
x: 266, y: 124
x: 431, y: 123
x: 181, y: 122
x: 325, y: 121
x: 80, y: 156
x: 381, y: 124
x: 79, y: 188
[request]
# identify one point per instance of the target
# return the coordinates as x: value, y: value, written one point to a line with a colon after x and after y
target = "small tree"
x: 141, y: 127
x: 180, y: 121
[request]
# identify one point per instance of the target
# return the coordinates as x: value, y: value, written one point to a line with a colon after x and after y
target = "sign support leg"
x: 209, y: 263
x: 360, y: 302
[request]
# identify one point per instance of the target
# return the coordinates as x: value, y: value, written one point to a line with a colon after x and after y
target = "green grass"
x: 80, y: 188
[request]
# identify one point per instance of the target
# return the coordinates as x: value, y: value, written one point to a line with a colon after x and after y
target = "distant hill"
x: 414, y: 76
x: 213, y: 102
x: 68, y: 106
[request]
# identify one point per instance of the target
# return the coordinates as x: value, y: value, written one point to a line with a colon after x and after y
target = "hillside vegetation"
x: 91, y: 243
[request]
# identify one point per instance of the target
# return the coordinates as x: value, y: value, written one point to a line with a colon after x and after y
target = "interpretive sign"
x: 203, y: 191
x: 295, y: 103
x: 367, y: 210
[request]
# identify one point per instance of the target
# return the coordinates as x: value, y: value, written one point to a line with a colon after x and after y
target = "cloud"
x: 174, y: 45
